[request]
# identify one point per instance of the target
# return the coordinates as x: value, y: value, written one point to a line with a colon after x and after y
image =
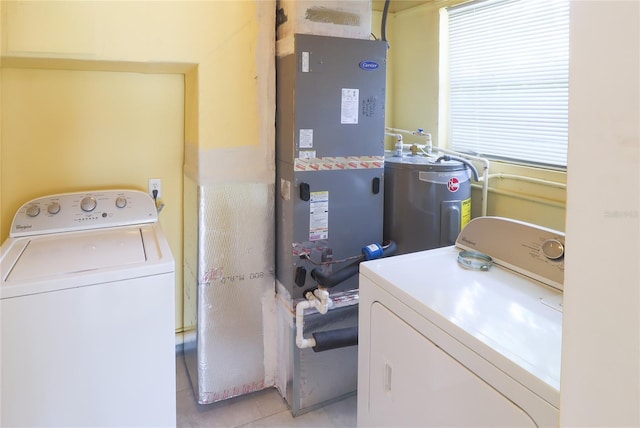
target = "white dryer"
x: 87, y: 299
x: 466, y: 335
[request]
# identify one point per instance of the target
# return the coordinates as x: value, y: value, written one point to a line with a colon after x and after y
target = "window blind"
x: 509, y: 79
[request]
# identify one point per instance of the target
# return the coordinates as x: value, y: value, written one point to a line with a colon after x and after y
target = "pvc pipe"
x: 399, y: 146
x: 320, y: 300
x: 301, y: 342
x: 322, y: 296
x: 529, y: 180
x: 406, y: 131
x: 484, y: 161
x: 485, y: 171
x: 419, y: 132
x: 536, y: 199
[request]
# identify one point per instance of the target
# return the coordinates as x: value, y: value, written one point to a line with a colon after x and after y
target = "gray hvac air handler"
x: 330, y: 153
x: 329, y: 185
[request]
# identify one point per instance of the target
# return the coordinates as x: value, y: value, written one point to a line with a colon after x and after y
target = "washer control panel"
x: 69, y: 212
x: 526, y: 248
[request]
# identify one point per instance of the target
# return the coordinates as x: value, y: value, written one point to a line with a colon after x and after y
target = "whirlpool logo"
x: 369, y: 65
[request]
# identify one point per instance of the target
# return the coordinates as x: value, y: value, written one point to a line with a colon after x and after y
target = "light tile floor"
x: 260, y: 409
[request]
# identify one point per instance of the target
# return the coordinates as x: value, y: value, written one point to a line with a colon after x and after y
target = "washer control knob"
x: 121, y: 202
x: 553, y: 249
x: 33, y: 210
x: 88, y: 203
x: 53, y: 208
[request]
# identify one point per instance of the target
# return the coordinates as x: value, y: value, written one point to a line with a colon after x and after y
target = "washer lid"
x: 62, y: 254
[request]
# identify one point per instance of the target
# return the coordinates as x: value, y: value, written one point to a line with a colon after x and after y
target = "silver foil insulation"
x: 229, y: 293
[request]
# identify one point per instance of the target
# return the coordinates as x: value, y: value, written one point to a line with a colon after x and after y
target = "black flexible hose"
x: 473, y: 169
x: 389, y: 249
x: 335, y: 278
x: 333, y: 339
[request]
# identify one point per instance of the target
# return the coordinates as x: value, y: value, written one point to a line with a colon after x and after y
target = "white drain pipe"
x: 320, y: 300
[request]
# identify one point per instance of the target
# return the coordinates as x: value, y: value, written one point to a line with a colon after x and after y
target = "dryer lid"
x: 63, y: 254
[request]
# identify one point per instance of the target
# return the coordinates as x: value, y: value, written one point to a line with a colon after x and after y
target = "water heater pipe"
x: 429, y: 148
x: 419, y: 132
x: 529, y: 180
x: 320, y: 300
x: 461, y: 160
x: 542, y: 182
x: 485, y: 173
x: 399, y: 145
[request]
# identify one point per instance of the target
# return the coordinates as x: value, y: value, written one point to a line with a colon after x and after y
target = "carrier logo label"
x: 369, y: 65
x: 453, y: 184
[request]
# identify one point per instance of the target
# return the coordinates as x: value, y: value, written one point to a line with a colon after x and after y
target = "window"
x: 508, y: 71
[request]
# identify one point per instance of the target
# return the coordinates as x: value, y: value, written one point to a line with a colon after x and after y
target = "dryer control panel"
x: 70, y: 212
x: 529, y: 249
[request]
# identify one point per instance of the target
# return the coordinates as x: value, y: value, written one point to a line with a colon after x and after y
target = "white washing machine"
x: 88, y: 313
x: 449, y: 337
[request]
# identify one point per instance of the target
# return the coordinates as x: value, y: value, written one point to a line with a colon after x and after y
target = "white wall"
x: 601, y: 348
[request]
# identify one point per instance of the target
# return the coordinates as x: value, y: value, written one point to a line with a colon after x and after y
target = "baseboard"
x: 184, y: 337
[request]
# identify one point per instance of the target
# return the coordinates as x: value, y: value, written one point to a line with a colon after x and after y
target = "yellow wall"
x: 80, y: 130
x: 89, y: 63
x: 76, y: 130
x: 414, y: 91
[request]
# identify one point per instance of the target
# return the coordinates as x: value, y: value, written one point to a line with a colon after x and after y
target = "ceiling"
x: 398, y: 5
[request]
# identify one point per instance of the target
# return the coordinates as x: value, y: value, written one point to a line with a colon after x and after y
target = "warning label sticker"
x: 349, y: 106
x: 306, y: 139
x: 319, y: 216
x: 466, y: 213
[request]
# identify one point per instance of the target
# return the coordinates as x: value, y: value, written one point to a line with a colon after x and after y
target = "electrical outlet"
x: 155, y: 184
